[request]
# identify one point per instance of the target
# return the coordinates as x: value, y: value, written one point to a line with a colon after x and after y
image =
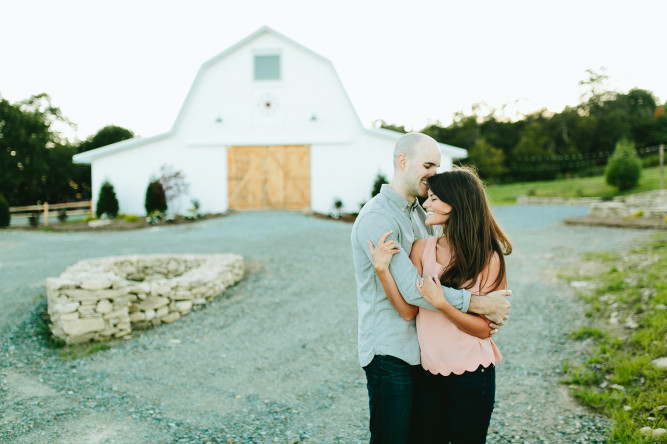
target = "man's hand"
x: 494, y: 306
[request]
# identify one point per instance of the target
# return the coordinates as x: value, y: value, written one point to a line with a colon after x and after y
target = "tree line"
x: 545, y: 145
x: 36, y: 160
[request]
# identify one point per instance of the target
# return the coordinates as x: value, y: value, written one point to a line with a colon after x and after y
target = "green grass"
x: 64, y: 351
x: 75, y: 351
x: 619, y: 378
x: 574, y: 187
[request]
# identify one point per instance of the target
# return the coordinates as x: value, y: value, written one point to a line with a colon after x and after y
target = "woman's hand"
x: 383, y: 252
x: 431, y: 291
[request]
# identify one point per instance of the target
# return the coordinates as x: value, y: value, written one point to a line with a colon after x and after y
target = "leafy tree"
x: 35, y: 160
x: 624, y: 167
x: 156, y: 199
x: 389, y: 126
x: 5, y: 215
x: 532, y: 158
x: 107, y: 203
x: 106, y: 136
x: 489, y: 161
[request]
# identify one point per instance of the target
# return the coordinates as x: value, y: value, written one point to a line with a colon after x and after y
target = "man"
x: 388, y: 347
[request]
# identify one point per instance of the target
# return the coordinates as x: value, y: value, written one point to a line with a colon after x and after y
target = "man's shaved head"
x: 410, y: 143
x: 416, y: 158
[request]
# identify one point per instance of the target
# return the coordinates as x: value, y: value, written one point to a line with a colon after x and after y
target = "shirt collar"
x: 397, y: 199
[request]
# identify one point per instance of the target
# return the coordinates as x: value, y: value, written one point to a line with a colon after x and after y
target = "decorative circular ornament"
x: 268, y: 104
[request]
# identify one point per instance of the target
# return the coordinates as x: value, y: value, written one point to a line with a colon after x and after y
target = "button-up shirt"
x: 381, y: 330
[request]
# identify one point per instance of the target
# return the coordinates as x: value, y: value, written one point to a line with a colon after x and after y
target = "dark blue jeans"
x: 453, y: 408
x: 390, y: 383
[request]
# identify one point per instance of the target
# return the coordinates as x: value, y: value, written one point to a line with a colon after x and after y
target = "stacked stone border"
x: 103, y: 298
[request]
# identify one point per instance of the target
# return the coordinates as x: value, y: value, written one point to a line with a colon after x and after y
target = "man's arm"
x: 371, y: 228
x: 494, y: 306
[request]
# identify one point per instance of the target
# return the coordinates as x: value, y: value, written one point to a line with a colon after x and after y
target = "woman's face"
x: 437, y: 211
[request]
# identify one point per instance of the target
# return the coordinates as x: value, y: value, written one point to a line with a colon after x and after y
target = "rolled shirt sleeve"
x: 401, y: 267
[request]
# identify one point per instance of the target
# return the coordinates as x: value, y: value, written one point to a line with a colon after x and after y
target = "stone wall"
x: 648, y: 204
x: 103, y: 298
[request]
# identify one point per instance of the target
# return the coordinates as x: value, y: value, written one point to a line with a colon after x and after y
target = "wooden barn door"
x: 269, y: 177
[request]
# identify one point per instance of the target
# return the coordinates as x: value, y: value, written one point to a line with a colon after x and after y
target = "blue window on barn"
x: 267, y: 67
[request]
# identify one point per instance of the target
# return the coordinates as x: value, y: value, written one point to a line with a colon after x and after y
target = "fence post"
x: 662, y: 159
x: 46, y: 214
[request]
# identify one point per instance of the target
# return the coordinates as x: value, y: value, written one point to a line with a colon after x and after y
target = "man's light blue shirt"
x: 381, y: 330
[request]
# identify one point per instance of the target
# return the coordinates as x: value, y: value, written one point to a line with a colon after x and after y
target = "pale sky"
x: 131, y: 62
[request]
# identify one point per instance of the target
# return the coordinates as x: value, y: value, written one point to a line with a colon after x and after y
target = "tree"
x: 379, y: 181
x: 624, y: 167
x: 173, y: 182
x: 107, y: 203
x: 156, y: 199
x: 5, y: 215
x: 488, y: 160
x: 106, y: 136
x: 29, y: 143
x: 532, y: 159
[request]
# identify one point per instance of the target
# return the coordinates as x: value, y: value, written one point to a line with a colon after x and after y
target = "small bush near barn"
x: 5, y: 215
x: 107, y: 203
x: 377, y: 185
x: 624, y: 167
x: 156, y: 199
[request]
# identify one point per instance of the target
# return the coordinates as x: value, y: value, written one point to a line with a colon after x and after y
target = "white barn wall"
x: 347, y: 172
x: 130, y: 171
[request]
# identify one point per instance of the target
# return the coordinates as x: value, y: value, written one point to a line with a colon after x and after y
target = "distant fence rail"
x: 46, y: 209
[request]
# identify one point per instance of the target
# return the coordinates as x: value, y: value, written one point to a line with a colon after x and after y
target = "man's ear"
x: 402, y: 161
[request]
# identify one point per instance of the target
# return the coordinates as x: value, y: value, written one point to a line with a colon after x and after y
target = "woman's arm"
x: 381, y: 257
x: 472, y: 324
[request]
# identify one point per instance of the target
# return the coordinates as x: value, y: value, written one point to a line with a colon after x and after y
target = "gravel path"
x: 274, y: 359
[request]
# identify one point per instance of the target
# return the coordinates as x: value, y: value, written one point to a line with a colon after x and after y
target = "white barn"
x: 266, y: 124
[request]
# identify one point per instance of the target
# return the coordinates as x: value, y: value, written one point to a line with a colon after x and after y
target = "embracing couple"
x: 429, y: 379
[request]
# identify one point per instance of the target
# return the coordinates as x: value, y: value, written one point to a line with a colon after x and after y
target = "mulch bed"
x: 118, y: 224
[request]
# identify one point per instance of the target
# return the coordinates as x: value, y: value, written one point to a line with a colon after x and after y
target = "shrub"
x: 106, y: 201
x: 62, y: 215
x: 5, y: 215
x: 33, y: 219
x: 379, y: 181
x: 156, y: 199
x: 624, y: 167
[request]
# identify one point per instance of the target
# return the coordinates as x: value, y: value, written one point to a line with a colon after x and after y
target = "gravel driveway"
x: 274, y: 359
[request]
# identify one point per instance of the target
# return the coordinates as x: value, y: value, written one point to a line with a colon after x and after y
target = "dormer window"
x: 267, y: 67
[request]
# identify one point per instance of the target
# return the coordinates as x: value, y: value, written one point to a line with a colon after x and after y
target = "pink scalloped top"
x: 444, y: 348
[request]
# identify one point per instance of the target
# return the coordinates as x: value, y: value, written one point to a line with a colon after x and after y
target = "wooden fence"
x: 47, y: 210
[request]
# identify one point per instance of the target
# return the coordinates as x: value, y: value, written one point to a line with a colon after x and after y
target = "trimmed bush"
x: 106, y: 201
x: 623, y: 167
x: 5, y: 215
x: 156, y: 199
x: 379, y: 181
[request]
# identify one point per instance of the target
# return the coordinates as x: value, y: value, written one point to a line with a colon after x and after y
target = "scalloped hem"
x: 460, y: 371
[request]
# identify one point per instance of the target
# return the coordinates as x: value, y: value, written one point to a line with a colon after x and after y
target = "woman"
x: 455, y: 389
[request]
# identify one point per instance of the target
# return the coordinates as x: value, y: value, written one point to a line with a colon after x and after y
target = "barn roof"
x: 452, y: 151
x: 88, y: 156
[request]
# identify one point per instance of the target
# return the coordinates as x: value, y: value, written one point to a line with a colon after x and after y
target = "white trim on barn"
x: 299, y: 129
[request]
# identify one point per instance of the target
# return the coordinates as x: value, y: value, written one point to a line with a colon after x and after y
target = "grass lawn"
x: 575, y: 187
x: 627, y: 331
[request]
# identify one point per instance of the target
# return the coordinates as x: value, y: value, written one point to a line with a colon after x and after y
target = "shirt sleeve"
x: 374, y: 225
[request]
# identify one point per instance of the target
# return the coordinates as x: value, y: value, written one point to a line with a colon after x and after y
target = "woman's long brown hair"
x: 471, y: 231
